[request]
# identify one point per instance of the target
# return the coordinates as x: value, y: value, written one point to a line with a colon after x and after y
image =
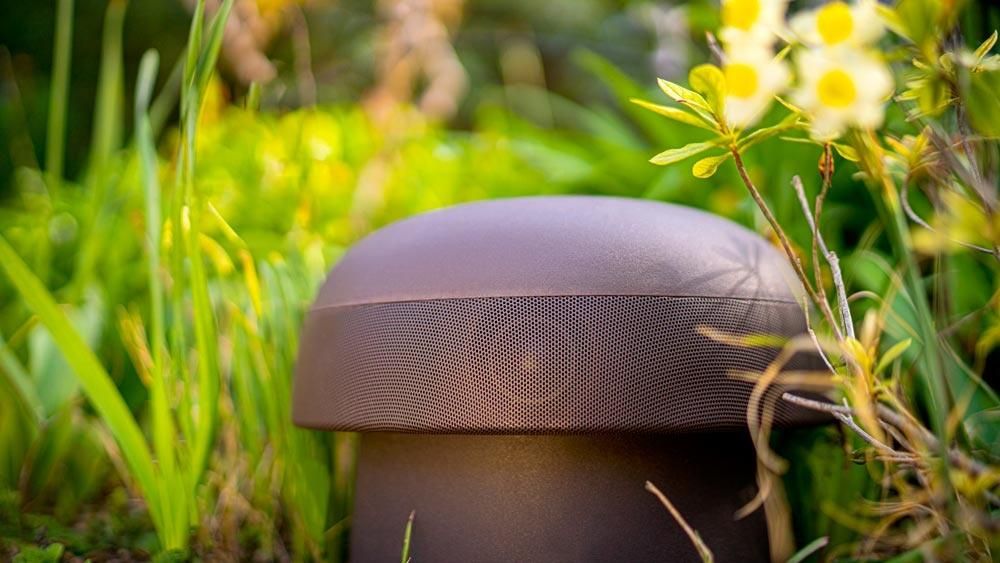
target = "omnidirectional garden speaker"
x: 520, y: 368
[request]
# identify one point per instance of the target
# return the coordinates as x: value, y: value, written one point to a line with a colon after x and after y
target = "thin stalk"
x: 820, y: 247
x: 699, y: 544
x: 163, y: 105
x: 898, y: 421
x: 786, y: 245
x: 175, y: 507
x: 193, y: 94
x: 826, y: 173
x: 407, y: 534
x: 107, y: 113
x: 55, y: 136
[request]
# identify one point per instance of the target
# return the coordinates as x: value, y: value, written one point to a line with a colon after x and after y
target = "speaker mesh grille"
x: 536, y: 364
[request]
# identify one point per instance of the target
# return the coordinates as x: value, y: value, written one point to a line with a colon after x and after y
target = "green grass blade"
x: 196, y: 82
x: 206, y: 62
x: 161, y: 108
x: 405, y: 558
x: 804, y: 553
x: 107, y: 110
x: 20, y: 381
x: 193, y: 46
x: 55, y: 136
x: 94, y: 380
x: 206, y: 343
x: 163, y: 428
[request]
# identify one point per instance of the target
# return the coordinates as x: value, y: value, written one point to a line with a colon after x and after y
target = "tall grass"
x: 55, y: 137
x: 170, y: 481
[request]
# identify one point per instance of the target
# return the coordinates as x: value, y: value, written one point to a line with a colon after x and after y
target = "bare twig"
x: 830, y: 257
x: 955, y: 456
x: 713, y: 46
x: 699, y: 544
x: 848, y: 420
x: 786, y: 244
x: 815, y: 339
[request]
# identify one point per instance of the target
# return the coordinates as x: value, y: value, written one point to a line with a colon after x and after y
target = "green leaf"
x: 671, y: 156
x: 708, y: 80
x: 675, y: 114
x: 846, y: 152
x: 789, y: 105
x: 786, y: 124
x: 706, y: 167
x: 687, y: 97
x: 108, y: 117
x: 985, y: 46
x: 804, y: 553
x: 919, y: 19
x: 890, y: 17
x: 799, y: 140
x: 194, y: 44
x: 206, y: 62
x: 407, y: 534
x: 892, y: 353
x: 163, y: 426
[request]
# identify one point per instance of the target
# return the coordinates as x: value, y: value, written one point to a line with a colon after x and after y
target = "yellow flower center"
x: 741, y: 80
x: 834, y: 22
x: 836, y: 89
x: 741, y: 14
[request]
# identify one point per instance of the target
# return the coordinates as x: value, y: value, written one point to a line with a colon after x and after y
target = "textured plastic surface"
x: 545, y: 315
x: 526, y: 365
x: 570, y: 245
x: 554, y: 499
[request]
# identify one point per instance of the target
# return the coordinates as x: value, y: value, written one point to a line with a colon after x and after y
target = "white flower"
x: 840, y: 88
x: 838, y: 23
x: 753, y: 77
x: 751, y: 23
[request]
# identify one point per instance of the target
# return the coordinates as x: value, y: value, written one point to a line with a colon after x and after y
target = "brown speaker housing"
x: 519, y: 368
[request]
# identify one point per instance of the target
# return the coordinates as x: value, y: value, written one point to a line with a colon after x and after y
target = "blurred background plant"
x: 166, y: 221
x: 918, y: 415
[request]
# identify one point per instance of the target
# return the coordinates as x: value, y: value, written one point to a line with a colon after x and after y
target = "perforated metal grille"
x: 536, y: 364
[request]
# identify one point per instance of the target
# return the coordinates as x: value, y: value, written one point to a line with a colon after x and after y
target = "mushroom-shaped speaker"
x: 519, y: 368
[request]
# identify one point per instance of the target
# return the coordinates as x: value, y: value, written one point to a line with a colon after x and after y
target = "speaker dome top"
x: 545, y: 315
x: 559, y: 246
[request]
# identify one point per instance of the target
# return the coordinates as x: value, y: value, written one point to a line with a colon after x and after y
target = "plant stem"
x: 786, y: 245
x: 695, y: 537
x: 55, y: 136
x: 819, y: 247
x: 897, y: 420
x: 107, y: 111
